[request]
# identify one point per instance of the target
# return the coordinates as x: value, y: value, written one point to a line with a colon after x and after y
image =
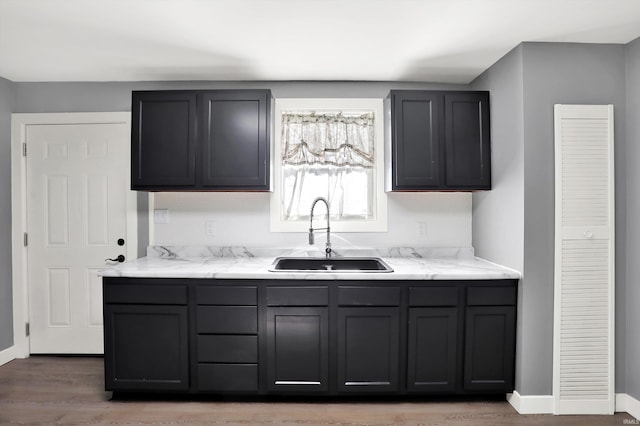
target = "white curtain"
x: 329, y: 155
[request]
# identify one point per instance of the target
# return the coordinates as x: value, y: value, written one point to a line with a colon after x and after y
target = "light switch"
x: 161, y: 216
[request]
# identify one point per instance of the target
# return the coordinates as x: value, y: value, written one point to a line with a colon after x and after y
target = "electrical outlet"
x: 422, y: 229
x: 210, y: 227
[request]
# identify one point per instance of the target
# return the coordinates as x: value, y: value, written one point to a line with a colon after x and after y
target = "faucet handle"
x: 311, y: 237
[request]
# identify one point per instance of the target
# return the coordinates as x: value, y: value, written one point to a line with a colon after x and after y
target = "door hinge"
x: 24, y: 149
x: 26, y: 239
x: 27, y: 329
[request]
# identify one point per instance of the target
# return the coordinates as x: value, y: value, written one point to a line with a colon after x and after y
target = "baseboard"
x: 543, y: 404
x: 7, y: 355
x: 531, y: 404
x: 628, y: 404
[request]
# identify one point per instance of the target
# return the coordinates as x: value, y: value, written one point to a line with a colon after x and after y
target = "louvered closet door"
x: 583, y: 376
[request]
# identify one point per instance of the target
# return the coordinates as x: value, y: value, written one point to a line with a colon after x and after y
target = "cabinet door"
x: 163, y: 140
x: 297, y: 349
x: 489, y: 348
x: 467, y: 140
x: 416, y: 139
x: 146, y: 347
x: 368, y: 347
x: 432, y: 350
x: 235, y: 139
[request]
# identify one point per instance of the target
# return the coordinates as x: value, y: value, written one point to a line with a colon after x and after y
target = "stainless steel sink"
x: 336, y: 264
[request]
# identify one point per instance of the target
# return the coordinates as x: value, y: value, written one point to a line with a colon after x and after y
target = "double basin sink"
x: 336, y: 264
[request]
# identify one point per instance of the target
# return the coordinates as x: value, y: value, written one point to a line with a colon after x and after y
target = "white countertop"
x: 244, y: 263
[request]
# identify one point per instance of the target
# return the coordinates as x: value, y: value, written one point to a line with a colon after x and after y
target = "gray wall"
x: 116, y: 96
x: 7, y: 100
x: 633, y: 224
x: 570, y: 74
x: 498, y: 215
x: 540, y: 75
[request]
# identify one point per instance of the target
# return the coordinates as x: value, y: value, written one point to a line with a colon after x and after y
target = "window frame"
x: 319, y: 105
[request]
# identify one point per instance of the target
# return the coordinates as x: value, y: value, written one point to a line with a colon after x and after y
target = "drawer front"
x: 227, y: 295
x: 491, y: 296
x: 297, y: 296
x: 433, y: 296
x: 228, y: 349
x: 368, y: 296
x: 228, y: 377
x: 144, y: 294
x: 227, y: 319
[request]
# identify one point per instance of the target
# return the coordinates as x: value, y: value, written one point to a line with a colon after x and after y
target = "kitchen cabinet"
x: 201, y: 140
x: 440, y: 140
x: 368, y: 338
x: 163, y: 140
x: 490, y: 338
x: 310, y: 337
x: 368, y: 349
x: 297, y: 339
x: 226, y: 338
x: 146, y: 338
x: 432, y: 356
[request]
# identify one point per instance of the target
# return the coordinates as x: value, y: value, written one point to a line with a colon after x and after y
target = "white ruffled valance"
x: 328, y: 139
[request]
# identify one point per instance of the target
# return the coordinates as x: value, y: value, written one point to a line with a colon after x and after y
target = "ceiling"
x: 364, y: 40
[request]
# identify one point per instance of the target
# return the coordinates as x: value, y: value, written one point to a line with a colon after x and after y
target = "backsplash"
x: 242, y: 219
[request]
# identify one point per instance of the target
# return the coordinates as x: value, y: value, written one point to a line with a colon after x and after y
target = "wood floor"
x: 70, y: 391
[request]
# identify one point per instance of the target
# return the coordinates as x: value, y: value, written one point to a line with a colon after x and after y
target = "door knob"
x: 120, y: 259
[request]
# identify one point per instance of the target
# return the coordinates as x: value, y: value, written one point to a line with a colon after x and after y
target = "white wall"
x: 242, y: 219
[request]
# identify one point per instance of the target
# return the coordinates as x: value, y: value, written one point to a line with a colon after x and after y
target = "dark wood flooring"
x: 48, y: 390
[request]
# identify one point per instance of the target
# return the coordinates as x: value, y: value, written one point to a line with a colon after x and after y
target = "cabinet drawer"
x: 228, y: 377
x: 146, y: 294
x: 369, y: 296
x: 227, y: 295
x: 491, y: 296
x: 228, y: 349
x: 433, y: 296
x: 227, y: 319
x: 297, y: 296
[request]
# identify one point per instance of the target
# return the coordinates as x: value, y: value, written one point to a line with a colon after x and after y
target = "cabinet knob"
x: 588, y: 235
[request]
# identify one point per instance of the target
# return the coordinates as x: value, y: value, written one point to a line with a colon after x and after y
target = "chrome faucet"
x: 327, y: 250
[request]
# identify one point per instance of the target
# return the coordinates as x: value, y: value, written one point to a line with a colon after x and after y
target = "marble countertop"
x: 250, y: 263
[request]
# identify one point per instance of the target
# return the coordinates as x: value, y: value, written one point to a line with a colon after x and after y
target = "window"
x: 330, y: 148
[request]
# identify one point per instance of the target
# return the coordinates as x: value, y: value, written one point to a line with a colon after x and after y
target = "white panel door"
x: 77, y: 181
x: 584, y: 260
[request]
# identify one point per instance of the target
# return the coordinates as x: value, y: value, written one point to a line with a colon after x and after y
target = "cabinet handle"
x: 588, y: 234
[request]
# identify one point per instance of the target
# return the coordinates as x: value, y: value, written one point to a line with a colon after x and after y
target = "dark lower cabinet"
x: 318, y: 337
x: 368, y: 349
x: 146, y: 347
x: 489, y: 348
x: 432, y: 350
x: 297, y: 349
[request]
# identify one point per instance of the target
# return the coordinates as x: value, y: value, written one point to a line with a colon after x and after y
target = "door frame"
x: 20, y: 284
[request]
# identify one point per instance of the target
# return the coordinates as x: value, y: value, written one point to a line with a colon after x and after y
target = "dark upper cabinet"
x: 163, y: 136
x: 467, y: 140
x: 416, y: 140
x: 439, y: 140
x: 201, y: 140
x: 235, y: 139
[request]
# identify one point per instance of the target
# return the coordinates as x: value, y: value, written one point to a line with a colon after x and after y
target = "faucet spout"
x: 327, y: 250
